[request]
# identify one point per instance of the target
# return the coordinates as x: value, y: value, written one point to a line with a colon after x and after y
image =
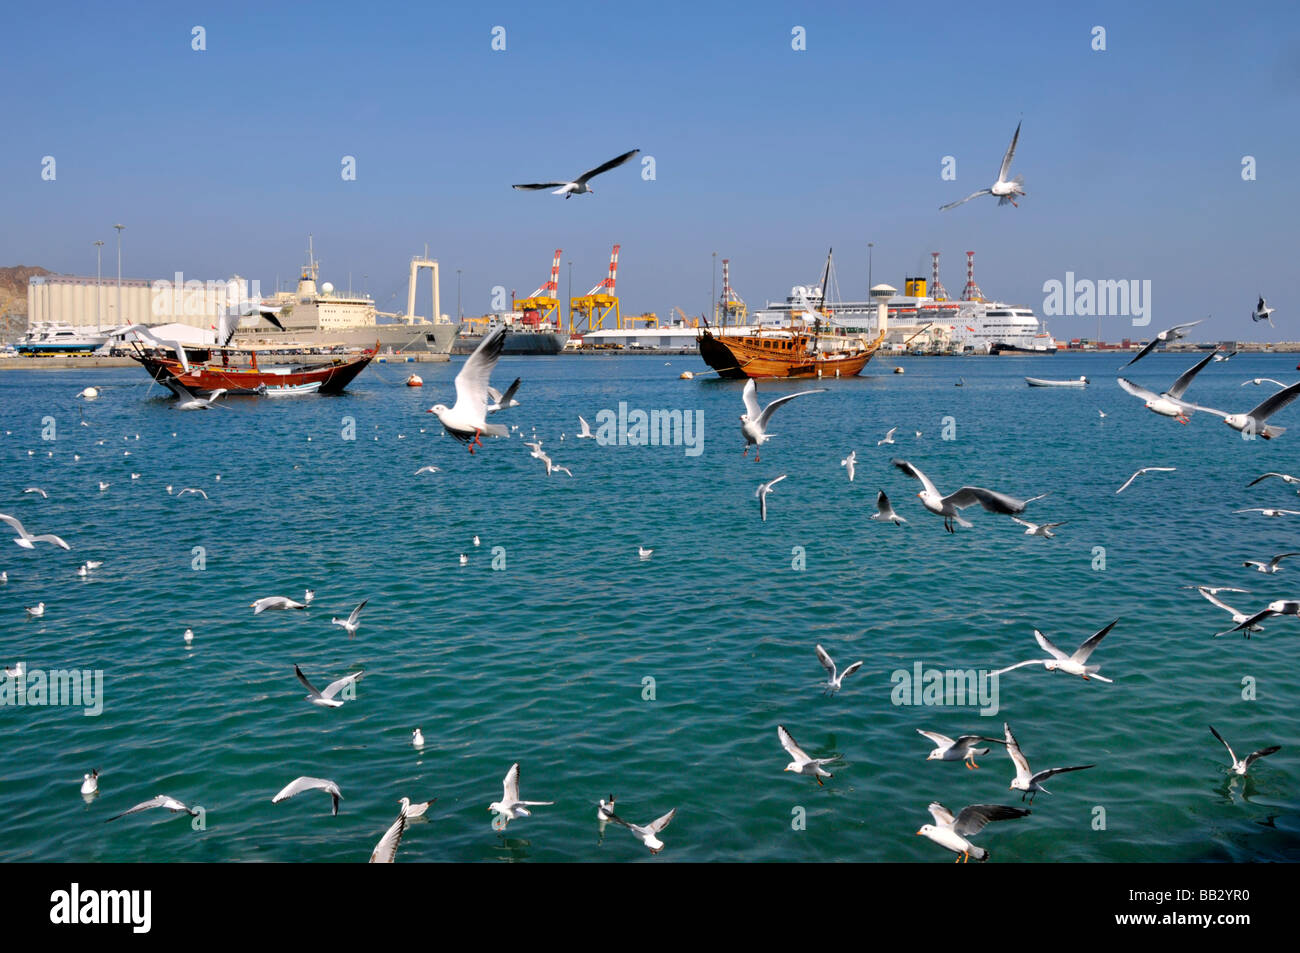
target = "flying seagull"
x: 162, y: 800
x: 1211, y: 593
x: 763, y: 490
x: 1281, y: 607
x: 502, y: 401
x: 310, y: 784
x: 1170, y: 403
x: 1268, y: 511
x: 1242, y: 765
x: 1005, y: 189
x: 579, y: 185
x: 802, y: 764
x: 1142, y: 471
x: 753, y: 422
x: 961, y: 748
x: 885, y: 510
x: 510, y: 808
x: 950, y: 506
x: 1284, y: 477
x: 37, y: 489
x: 26, y: 540
x: 275, y: 602
x: 1262, y: 380
x: 326, y: 698
x: 888, y: 438
x: 1038, y: 529
x: 351, y: 623
x: 648, y: 834
x: 190, y: 489
x: 466, y: 420
x: 1168, y: 335
x: 427, y: 469
x: 1253, y: 421
x: 1026, y: 780
x: 189, y: 400
x: 1263, y: 312
x: 850, y: 461
x: 952, y: 832
x: 586, y: 433
x: 1075, y: 664
x: 386, y: 849
x: 837, y: 677
x: 1271, y: 566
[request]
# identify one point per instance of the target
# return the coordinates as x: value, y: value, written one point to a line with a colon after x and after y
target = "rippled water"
x: 544, y: 661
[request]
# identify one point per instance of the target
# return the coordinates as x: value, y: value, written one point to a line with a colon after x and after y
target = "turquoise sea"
x: 545, y: 659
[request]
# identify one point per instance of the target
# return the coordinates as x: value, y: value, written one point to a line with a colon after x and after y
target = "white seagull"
x: 326, y: 698
x: 885, y: 510
x: 1284, y: 477
x: 1246, y: 625
x: 162, y: 800
x: 1262, y: 380
x: 643, y: 552
x: 763, y: 490
x: 351, y: 623
x: 310, y: 784
x: 1038, y: 529
x: 961, y: 748
x: 1142, y: 471
x: 26, y: 540
x: 1242, y: 765
x: 428, y: 469
x: 950, y: 506
x: 36, y: 611
x: 90, y: 783
x: 1168, y: 335
x: 1005, y: 189
x: 586, y: 433
x: 888, y: 438
x: 466, y: 420
x: 952, y: 832
x: 1268, y: 511
x: 1211, y: 593
x: 802, y: 764
x: 189, y: 400
x: 502, y: 401
x: 648, y: 834
x: 413, y: 809
x: 1271, y: 566
x: 1170, y: 403
x: 753, y: 422
x: 18, y: 671
x: 837, y: 677
x: 1263, y: 312
x: 1027, y: 781
x: 37, y: 489
x: 1075, y: 664
x: 1254, y: 420
x: 386, y: 849
x: 190, y: 489
x: 510, y: 808
x: 579, y: 185
x: 849, y: 462
x: 275, y: 602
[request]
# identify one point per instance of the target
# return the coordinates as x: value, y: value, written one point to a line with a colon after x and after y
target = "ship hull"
x: 202, y: 379
x: 524, y: 342
x: 737, y: 358
x: 1013, y: 349
x: 421, y: 338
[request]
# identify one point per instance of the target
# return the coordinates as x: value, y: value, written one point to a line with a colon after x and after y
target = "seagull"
x: 952, y: 832
x: 36, y: 611
x: 889, y: 437
x: 26, y: 540
x: 1253, y: 421
x: 351, y: 623
x: 961, y: 748
x: 1262, y: 380
x: 103, y: 486
x: 1038, y: 529
x: 190, y: 489
x: 510, y: 808
x: 1281, y: 607
x: 1168, y: 335
x: 428, y: 469
x: 1220, y: 358
x: 1075, y: 664
x: 643, y: 552
x: 188, y: 399
x: 1027, y: 781
x: 4, y: 576
x: 502, y: 401
x: 18, y: 671
x: 477, y: 542
x: 1170, y: 403
x: 188, y: 636
x: 1005, y: 189
x: 604, y: 813
x: 1272, y: 565
x: 90, y: 783
x: 464, y: 560
x: 275, y: 602
x: 950, y: 506
x: 386, y: 849
x: 1284, y: 477
x: 849, y: 462
x: 1242, y: 765
x: 579, y: 185
x: 1262, y: 312
x: 802, y: 764
x: 885, y: 511
x: 467, y: 418
x: 586, y: 433
x: 836, y: 677
x: 417, y: 809
x: 417, y: 738
x: 1101, y: 414
x: 1211, y: 593
x: 1267, y: 511
x: 162, y: 800
x: 37, y: 489
x: 310, y: 784
x: 763, y: 490
x: 326, y: 698
x: 1142, y: 471
x: 753, y: 422
x: 648, y: 833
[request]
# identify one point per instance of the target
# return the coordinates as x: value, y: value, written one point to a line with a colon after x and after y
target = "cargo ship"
x: 524, y: 337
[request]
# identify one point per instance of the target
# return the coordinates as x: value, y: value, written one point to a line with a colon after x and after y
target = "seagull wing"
x: 942, y: 816
x: 1271, y: 473
x: 298, y: 785
x: 586, y: 427
x: 941, y: 741
x: 973, y: 195
x: 1147, y: 349
x: 472, y: 381
x: 386, y: 849
x: 991, y: 500
x: 788, y: 743
x: 1185, y: 379
x: 510, y: 787
x: 1017, y: 756
x: 1044, y: 775
x: 915, y: 474
x: 333, y: 688
x: 356, y: 613
x: 658, y: 824
x: 1279, y: 557
x: 851, y: 669
x: 1048, y: 647
x: 306, y: 684
x: 1248, y: 622
x: 605, y: 167
x: 51, y: 538
x: 1275, y: 402
x: 153, y: 802
x: 13, y: 521
x: 1177, y: 330
x: 827, y: 662
x: 750, y: 397
x: 509, y: 395
x: 766, y: 415
x: 1083, y: 651
x: 1215, y: 600
x: 1231, y: 755
x: 1006, y: 159
x: 179, y: 389
x: 1032, y: 661
x: 531, y: 186
x: 973, y: 819
x: 1261, y: 753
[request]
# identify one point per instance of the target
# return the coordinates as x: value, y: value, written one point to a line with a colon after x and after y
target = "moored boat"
x: 217, y: 368
x: 1042, y: 382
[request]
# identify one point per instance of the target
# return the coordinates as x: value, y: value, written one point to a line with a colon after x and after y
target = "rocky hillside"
x: 13, y: 288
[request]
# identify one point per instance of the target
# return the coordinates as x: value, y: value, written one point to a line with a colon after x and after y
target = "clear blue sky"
x: 222, y: 161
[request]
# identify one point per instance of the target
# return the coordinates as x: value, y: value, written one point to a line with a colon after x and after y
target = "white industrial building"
x: 87, y: 302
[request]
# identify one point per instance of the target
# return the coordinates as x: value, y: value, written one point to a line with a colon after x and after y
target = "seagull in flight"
x: 753, y: 422
x: 1026, y: 780
x: 1262, y: 380
x: 1142, y: 471
x: 427, y: 469
x: 1267, y: 511
x: 950, y: 506
x: 1038, y: 529
x: 162, y: 800
x: 276, y: 602
x: 1262, y: 312
x: 837, y: 677
x: 510, y: 807
x: 502, y: 401
x: 585, y: 433
x: 1284, y: 477
x: 1170, y: 403
x: 850, y: 461
x: 952, y: 832
x: 37, y: 489
x: 579, y: 185
x: 888, y: 438
x: 1005, y: 189
x: 1211, y: 593
x: 763, y: 490
x: 326, y: 698
x: 885, y: 510
x: 190, y: 489
x: 961, y: 748
x: 26, y: 540
x: 310, y: 784
x: 648, y: 834
x: 1246, y: 625
x: 1075, y: 664
x: 189, y: 400
x: 1169, y: 335
x: 1271, y: 566
x: 802, y: 764
x: 1242, y: 765
x: 352, y: 622
x: 466, y: 420
x: 1253, y: 421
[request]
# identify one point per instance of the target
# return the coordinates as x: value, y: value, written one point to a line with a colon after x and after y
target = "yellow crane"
x: 543, y: 305
x: 596, y: 305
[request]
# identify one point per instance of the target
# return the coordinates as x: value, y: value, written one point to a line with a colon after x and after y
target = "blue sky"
x: 222, y: 161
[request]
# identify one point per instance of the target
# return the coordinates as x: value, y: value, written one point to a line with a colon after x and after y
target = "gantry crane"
x: 588, y: 312
x: 543, y: 305
x: 732, y: 308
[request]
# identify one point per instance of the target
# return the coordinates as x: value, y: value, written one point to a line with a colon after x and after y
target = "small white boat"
x: 290, y: 390
x: 1040, y: 382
